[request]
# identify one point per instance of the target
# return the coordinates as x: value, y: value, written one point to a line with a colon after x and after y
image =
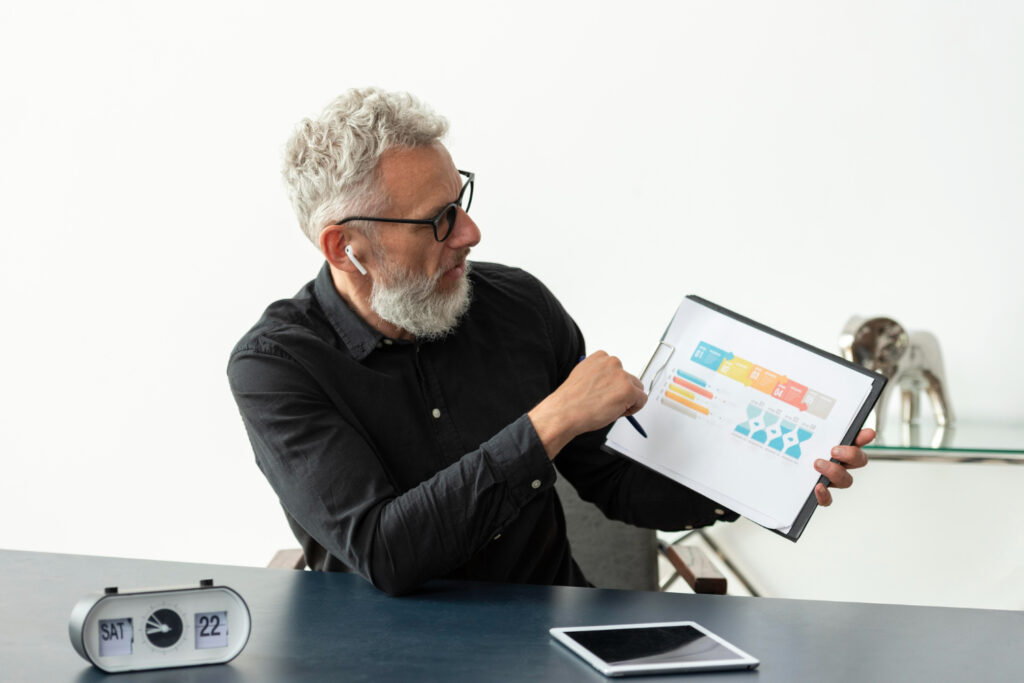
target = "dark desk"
x: 317, y: 627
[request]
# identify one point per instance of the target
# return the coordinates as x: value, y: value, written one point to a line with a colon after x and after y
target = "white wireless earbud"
x: 354, y: 260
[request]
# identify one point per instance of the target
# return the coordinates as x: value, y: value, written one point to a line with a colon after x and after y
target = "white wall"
x: 798, y: 162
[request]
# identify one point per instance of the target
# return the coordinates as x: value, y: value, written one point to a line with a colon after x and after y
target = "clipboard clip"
x: 656, y: 365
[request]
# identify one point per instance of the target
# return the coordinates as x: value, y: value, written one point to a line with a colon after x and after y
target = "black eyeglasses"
x: 442, y: 228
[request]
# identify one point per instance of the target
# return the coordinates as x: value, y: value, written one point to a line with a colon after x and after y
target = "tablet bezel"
x: 742, y: 659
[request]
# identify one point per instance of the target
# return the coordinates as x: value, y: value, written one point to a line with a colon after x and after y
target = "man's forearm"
x: 597, y: 392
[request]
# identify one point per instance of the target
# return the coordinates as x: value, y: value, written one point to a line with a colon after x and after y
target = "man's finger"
x: 851, y: 456
x: 865, y: 437
x: 835, y: 473
x: 822, y: 494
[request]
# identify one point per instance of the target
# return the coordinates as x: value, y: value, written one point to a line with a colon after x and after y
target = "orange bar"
x: 689, y: 404
x: 681, y: 391
x: 682, y: 410
x: 693, y: 387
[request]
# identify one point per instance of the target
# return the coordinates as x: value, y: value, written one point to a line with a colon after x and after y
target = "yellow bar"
x: 689, y: 404
x: 679, y: 390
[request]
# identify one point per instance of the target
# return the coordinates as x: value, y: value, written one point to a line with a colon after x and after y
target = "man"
x: 407, y: 405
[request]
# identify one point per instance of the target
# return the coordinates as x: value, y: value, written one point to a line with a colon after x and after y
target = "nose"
x: 465, y: 232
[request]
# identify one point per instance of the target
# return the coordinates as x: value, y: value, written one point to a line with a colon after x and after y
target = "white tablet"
x: 666, y: 647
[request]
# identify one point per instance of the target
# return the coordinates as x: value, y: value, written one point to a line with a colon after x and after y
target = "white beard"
x: 413, y: 303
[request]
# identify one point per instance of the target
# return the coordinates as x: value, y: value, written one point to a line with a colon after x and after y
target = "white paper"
x: 741, y: 415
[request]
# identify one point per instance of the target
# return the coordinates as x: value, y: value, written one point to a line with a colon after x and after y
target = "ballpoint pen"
x: 636, y: 425
x: 632, y: 420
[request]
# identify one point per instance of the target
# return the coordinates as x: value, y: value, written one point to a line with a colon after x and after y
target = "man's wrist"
x: 553, y: 430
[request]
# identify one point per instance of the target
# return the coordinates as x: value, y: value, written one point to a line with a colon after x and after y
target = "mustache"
x: 463, y: 256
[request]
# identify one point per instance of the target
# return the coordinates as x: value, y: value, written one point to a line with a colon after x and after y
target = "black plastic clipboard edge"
x: 878, y: 382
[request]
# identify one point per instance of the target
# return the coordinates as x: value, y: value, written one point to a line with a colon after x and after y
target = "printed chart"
x: 775, y: 432
x: 764, y: 380
x: 740, y: 414
x: 688, y: 393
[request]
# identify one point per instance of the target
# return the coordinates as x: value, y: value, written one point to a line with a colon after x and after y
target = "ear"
x: 333, y: 240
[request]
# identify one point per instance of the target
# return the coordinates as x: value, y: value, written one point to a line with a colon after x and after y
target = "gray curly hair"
x: 330, y: 161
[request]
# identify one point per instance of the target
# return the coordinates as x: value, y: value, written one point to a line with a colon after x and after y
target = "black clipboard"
x: 878, y: 382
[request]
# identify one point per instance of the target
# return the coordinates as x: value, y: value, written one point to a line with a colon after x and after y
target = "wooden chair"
x: 288, y: 558
x: 694, y: 566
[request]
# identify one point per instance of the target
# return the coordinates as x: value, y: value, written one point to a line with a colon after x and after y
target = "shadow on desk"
x: 194, y: 674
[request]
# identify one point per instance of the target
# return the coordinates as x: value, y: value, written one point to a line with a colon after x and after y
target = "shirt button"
x: 388, y: 342
x: 719, y: 511
x: 497, y: 537
x: 535, y: 483
x: 436, y: 413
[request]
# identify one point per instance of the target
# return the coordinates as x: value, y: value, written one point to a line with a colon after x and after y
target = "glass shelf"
x: 966, y: 441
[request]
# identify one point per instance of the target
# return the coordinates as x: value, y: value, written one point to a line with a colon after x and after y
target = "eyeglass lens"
x: 445, y: 223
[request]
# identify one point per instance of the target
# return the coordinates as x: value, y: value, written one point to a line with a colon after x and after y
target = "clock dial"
x: 164, y: 628
x: 135, y: 630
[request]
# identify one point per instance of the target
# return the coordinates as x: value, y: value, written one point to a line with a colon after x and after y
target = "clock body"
x: 160, y: 628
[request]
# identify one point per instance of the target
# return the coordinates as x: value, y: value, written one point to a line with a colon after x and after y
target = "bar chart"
x: 763, y: 406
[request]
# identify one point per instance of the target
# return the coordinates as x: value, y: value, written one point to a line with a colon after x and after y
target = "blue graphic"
x: 761, y: 436
x: 710, y: 356
x: 801, y: 436
x: 770, y: 429
x: 744, y: 427
x: 690, y: 378
x: 779, y: 442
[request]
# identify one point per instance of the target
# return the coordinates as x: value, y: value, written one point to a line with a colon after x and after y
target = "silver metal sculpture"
x: 912, y: 362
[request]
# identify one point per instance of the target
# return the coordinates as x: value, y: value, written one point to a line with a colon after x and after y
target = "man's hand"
x: 597, y: 392
x: 837, y: 473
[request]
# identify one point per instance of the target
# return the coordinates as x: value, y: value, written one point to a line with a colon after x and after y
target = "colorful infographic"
x: 773, y: 430
x: 740, y: 413
x: 764, y: 380
x: 683, y: 389
x: 687, y: 393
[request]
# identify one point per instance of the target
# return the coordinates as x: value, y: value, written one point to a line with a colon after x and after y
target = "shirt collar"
x: 359, y: 337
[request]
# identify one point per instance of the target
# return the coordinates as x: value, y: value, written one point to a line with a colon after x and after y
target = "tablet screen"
x: 651, y: 645
x: 661, y: 647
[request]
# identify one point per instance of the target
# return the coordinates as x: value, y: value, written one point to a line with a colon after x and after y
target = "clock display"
x: 211, y: 630
x: 159, y: 628
x: 116, y: 637
x: 164, y: 628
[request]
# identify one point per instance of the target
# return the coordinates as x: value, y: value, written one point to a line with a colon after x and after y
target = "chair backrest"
x: 611, y: 554
x: 288, y: 558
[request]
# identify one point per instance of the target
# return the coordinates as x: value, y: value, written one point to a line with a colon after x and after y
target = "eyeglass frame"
x: 436, y: 220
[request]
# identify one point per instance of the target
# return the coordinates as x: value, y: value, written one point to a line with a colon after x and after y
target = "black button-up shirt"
x: 407, y: 461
